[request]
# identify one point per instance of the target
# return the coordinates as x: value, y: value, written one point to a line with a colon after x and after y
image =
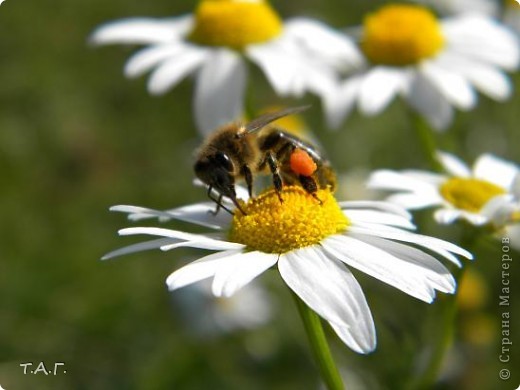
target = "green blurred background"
x: 76, y: 137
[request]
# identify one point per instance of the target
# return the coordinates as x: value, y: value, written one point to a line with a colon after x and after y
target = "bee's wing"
x: 263, y: 120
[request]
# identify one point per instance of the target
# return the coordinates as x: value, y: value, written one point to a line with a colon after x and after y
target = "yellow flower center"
x: 235, y: 23
x: 400, y: 35
x: 469, y: 194
x: 512, y: 4
x: 273, y: 227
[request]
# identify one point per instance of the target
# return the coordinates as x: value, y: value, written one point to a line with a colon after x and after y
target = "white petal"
x: 129, y: 209
x: 379, y: 87
x: 417, y: 201
x: 330, y: 289
x: 454, y: 87
x: 482, y: 39
x: 443, y: 248
x: 142, y: 246
x: 141, y: 30
x: 447, y: 216
x: 495, y: 170
x: 474, y: 218
x: 380, y: 264
x: 200, y: 269
x: 146, y: 59
x: 339, y: 103
x: 385, y: 179
x: 203, y: 214
x: 489, y: 80
x: 172, y: 71
x: 324, y: 42
x: 429, y: 102
x: 453, y: 165
x: 198, y: 244
x: 240, y: 271
x: 219, y: 91
x: 196, y: 238
x: 317, y: 79
x: 500, y: 209
x: 271, y: 61
x: 291, y: 69
x: 378, y: 217
x: 199, y: 213
x: 376, y: 205
x: 282, y: 64
x: 434, y: 179
x: 439, y: 277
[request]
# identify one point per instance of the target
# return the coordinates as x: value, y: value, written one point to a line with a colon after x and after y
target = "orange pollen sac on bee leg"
x: 302, y: 163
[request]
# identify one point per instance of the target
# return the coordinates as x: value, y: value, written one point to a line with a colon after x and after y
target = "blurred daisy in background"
x: 208, y: 315
x: 310, y: 243
x: 214, y: 43
x: 433, y: 64
x: 487, y: 194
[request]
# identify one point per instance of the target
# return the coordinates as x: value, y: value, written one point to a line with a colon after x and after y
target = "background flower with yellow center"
x: 488, y: 193
x: 214, y: 44
x: 373, y: 237
x: 433, y: 64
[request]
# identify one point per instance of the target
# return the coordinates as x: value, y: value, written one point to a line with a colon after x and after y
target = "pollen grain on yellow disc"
x: 469, y: 194
x: 273, y: 227
x: 400, y: 35
x: 234, y: 23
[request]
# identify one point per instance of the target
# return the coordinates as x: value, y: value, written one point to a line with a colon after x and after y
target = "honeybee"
x: 237, y: 151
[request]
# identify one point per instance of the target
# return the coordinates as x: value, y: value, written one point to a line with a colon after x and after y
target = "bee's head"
x: 216, y: 170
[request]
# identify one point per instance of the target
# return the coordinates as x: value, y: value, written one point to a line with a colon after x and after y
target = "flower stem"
x: 320, y: 348
x: 426, y: 140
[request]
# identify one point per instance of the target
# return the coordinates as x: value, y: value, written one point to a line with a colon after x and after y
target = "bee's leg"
x: 285, y: 150
x: 309, y: 185
x: 277, y: 179
x: 218, y: 201
x: 249, y: 179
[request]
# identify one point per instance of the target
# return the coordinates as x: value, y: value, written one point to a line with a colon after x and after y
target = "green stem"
x: 320, y: 348
x: 426, y: 140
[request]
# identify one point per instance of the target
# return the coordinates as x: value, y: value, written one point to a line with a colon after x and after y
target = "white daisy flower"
x: 311, y: 244
x: 214, y: 44
x: 487, y: 194
x: 433, y: 64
